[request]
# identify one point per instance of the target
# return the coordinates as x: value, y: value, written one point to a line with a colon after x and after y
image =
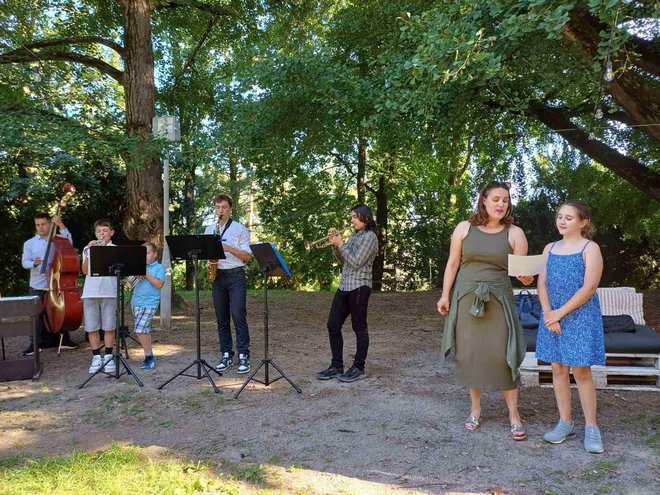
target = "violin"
x: 63, y: 304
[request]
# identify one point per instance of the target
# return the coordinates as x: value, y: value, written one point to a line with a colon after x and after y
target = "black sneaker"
x: 30, y: 350
x: 225, y: 362
x: 69, y: 344
x: 329, y: 373
x: 243, y: 364
x: 353, y: 374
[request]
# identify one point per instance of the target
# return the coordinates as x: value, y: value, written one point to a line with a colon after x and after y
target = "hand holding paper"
x: 526, y: 265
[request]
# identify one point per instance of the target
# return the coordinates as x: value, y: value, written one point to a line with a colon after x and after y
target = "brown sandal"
x: 518, y: 433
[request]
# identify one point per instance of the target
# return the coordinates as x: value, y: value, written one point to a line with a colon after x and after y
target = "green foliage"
x: 280, y: 103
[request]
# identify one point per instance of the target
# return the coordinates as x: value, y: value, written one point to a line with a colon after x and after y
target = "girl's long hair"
x: 583, y: 213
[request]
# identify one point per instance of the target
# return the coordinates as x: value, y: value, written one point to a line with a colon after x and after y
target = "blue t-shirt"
x: 146, y: 295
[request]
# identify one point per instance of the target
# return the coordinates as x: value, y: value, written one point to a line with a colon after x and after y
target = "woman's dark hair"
x: 480, y: 215
x: 583, y: 213
x: 364, y: 214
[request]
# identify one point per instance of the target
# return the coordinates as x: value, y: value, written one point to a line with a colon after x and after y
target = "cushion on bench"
x: 618, y: 323
x: 622, y: 301
x: 644, y: 340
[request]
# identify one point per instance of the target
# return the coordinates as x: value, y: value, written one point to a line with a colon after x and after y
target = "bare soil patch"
x: 399, y: 431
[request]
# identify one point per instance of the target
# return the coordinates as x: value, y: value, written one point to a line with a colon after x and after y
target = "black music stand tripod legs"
x: 265, y: 362
x: 196, y: 248
x: 272, y: 265
x: 201, y: 364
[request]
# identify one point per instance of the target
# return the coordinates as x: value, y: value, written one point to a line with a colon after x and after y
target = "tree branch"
x: 344, y: 162
x: 23, y: 56
x: 639, y: 175
x: 204, y: 6
x: 81, y: 40
x: 191, y: 58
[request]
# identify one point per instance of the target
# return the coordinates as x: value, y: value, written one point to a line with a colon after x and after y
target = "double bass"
x: 63, y: 305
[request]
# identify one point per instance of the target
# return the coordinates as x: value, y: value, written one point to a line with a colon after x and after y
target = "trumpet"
x: 324, y: 241
x: 132, y: 281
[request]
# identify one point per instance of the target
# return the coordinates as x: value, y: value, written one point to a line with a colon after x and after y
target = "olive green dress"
x: 481, y: 343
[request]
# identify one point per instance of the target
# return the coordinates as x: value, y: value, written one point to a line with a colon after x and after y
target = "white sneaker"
x: 110, y: 367
x: 96, y: 364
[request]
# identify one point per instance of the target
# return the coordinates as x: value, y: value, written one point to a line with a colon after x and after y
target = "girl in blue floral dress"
x: 571, y: 331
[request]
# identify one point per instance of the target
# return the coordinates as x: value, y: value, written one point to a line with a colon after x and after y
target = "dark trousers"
x: 47, y: 339
x: 229, y: 299
x: 41, y: 327
x: 354, y: 303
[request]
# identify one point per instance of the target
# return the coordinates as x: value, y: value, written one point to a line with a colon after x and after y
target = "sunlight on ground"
x: 124, y: 469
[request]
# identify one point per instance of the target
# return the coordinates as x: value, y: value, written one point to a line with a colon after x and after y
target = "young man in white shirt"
x: 230, y: 287
x: 34, y: 252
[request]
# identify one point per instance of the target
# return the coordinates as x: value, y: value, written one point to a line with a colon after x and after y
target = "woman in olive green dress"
x: 482, y: 331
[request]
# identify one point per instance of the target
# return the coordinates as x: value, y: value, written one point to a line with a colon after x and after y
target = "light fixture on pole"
x: 167, y: 127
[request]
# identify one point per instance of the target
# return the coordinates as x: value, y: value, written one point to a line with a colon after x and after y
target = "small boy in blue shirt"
x: 145, y: 301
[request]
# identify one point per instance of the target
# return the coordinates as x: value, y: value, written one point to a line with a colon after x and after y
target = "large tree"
x: 115, y: 38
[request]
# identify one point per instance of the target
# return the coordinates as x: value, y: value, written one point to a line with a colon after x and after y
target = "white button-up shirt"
x: 36, y: 248
x: 236, y: 236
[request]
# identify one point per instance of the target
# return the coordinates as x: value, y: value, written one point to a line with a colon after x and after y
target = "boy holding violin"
x: 34, y: 252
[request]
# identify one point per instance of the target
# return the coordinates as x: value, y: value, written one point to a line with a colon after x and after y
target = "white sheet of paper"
x: 526, y: 265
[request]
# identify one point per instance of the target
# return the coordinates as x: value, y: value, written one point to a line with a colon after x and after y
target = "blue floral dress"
x: 581, y: 342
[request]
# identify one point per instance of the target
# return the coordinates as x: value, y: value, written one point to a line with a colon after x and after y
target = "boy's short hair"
x: 151, y: 246
x: 42, y: 215
x: 103, y: 222
x: 219, y: 198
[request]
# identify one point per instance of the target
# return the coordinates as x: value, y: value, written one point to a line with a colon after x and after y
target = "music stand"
x: 117, y: 261
x: 123, y: 328
x: 272, y: 265
x: 196, y: 247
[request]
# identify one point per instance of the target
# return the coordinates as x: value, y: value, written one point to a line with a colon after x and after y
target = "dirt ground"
x: 398, y: 432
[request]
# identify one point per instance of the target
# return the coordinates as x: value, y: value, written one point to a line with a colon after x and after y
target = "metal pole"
x: 166, y: 293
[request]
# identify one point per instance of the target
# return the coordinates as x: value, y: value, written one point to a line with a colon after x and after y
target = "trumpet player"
x: 145, y: 301
x: 229, y: 287
x: 352, y: 298
x: 100, y: 303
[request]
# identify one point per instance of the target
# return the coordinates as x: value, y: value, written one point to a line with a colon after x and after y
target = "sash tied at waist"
x: 481, y: 296
x: 502, y: 291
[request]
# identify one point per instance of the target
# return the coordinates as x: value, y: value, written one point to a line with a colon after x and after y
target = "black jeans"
x: 229, y: 299
x: 355, y: 303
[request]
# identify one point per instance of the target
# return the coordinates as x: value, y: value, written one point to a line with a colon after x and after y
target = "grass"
x: 600, y: 470
x: 114, y: 471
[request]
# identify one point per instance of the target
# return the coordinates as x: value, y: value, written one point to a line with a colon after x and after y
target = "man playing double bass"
x: 34, y: 251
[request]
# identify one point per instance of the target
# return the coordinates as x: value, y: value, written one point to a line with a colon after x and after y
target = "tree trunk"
x: 382, y: 215
x: 362, y: 166
x: 143, y: 218
x: 639, y: 96
x: 188, y: 210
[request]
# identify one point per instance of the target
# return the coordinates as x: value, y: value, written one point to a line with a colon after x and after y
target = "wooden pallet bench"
x: 626, y: 371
